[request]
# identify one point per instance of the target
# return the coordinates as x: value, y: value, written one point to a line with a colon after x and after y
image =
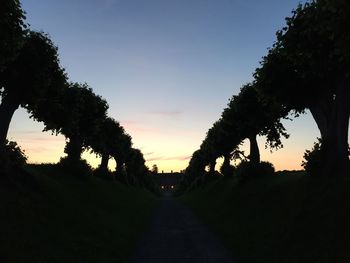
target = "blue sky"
x: 166, y: 67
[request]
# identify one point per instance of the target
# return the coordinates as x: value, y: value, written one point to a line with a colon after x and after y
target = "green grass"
x: 48, y: 216
x: 285, y: 218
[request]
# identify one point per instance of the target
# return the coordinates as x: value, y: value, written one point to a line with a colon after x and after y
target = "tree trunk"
x: 212, y: 167
x: 126, y: 176
x: 120, y: 171
x: 74, y: 148
x: 225, y: 168
x: 119, y: 167
x: 7, y: 108
x: 254, y: 154
x: 104, y: 162
x: 227, y: 159
x: 342, y: 128
x: 332, y: 119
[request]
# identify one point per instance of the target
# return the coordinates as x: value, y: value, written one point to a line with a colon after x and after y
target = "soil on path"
x: 175, y: 235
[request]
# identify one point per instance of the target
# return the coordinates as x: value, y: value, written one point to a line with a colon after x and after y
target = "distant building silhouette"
x: 168, y: 181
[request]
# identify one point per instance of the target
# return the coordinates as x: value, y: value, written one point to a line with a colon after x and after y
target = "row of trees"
x: 31, y: 77
x: 308, y: 67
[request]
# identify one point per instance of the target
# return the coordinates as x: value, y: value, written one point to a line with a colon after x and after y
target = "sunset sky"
x: 166, y: 67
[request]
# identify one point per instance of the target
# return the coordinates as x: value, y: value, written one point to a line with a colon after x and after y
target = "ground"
x: 176, y: 235
x: 286, y: 218
x: 49, y: 216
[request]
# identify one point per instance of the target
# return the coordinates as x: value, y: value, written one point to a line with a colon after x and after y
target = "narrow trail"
x: 175, y: 235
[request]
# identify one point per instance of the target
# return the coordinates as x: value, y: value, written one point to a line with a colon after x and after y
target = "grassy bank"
x: 285, y: 218
x: 49, y: 216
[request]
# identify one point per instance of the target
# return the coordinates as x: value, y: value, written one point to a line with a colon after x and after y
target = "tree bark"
x: 341, y: 128
x: 254, y: 155
x: 104, y: 162
x: 227, y: 159
x: 226, y: 165
x: 332, y: 119
x: 119, y: 167
x: 120, y: 171
x: 74, y: 148
x: 126, y: 176
x: 7, y: 108
x: 212, y: 166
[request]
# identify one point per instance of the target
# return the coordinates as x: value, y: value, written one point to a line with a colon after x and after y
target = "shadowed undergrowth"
x: 49, y: 216
x: 285, y: 218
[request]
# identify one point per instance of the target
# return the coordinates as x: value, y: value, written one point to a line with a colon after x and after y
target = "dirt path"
x: 175, y: 235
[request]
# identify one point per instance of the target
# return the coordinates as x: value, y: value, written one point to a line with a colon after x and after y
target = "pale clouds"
x: 173, y: 158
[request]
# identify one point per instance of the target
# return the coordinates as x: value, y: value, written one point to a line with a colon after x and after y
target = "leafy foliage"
x: 135, y: 165
x: 35, y: 74
x: 227, y: 170
x: 78, y: 116
x: 253, y: 114
x: 309, y: 67
x: 78, y: 168
x: 247, y: 170
x: 11, y: 157
x: 29, y: 79
x: 120, y: 153
x: 12, y: 28
x: 248, y: 114
x: 312, y: 159
x: 154, y: 169
x: 312, y: 162
x: 108, y: 137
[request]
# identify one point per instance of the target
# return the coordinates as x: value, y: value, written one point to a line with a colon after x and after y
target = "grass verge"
x: 285, y: 218
x: 49, y: 216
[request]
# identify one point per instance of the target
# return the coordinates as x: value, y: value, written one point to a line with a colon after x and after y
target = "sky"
x: 166, y: 67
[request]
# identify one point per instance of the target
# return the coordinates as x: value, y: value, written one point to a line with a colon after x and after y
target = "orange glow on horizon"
x: 168, y: 150
x: 46, y: 148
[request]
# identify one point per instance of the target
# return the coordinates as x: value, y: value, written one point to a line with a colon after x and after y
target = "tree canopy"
x: 32, y: 77
x: 78, y: 117
x: 308, y: 67
x: 12, y: 28
x: 107, y: 140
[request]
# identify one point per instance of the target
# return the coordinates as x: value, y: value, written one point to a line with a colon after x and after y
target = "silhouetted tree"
x: 210, y: 147
x: 13, y: 158
x: 229, y: 141
x: 196, y: 167
x: 32, y: 76
x: 224, y: 139
x: 78, y: 115
x: 209, y: 154
x: 308, y: 67
x: 13, y: 29
x: 248, y: 114
x: 106, y: 140
x: 121, y: 152
x: 312, y: 159
x: 252, y: 116
x: 154, y: 169
x: 135, y: 166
